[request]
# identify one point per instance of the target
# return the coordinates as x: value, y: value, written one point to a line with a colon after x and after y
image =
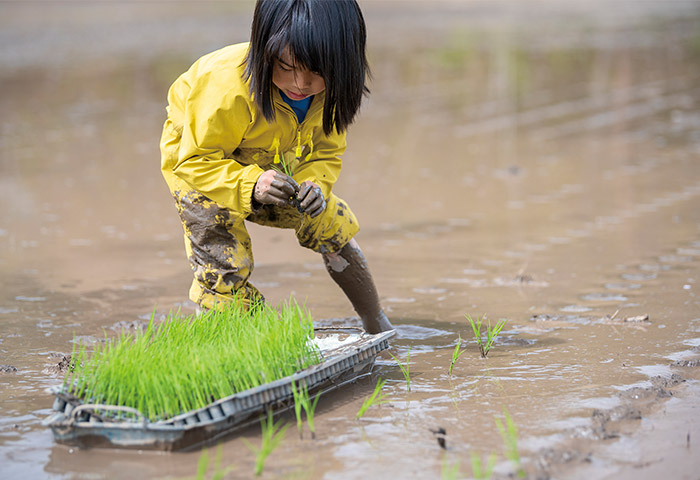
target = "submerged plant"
x: 406, y: 370
x: 481, y: 471
x: 303, y: 401
x: 491, y: 333
x: 377, y: 398
x: 456, y: 353
x: 509, y: 434
x: 272, y: 435
x: 186, y: 363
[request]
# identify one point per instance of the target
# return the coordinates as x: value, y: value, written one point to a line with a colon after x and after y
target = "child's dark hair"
x: 326, y: 37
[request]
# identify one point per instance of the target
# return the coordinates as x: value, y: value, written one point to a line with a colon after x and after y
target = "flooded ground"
x: 532, y: 161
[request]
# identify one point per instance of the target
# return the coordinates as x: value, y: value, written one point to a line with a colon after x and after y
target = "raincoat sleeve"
x: 214, y: 123
x: 323, y: 165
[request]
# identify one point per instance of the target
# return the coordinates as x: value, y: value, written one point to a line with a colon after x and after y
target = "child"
x: 242, y: 116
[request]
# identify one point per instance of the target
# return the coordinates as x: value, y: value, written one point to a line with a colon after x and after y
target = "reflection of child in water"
x: 241, y: 116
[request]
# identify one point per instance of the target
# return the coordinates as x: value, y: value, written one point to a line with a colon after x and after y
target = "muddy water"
x: 538, y: 164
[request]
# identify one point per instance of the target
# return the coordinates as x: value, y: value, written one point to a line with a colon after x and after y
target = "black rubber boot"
x: 348, y: 268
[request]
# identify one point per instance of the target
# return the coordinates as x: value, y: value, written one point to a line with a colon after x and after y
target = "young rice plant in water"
x: 456, y: 353
x: 491, y: 333
x: 186, y: 363
x: 481, y: 471
x: 272, y: 435
x: 406, y: 370
x: 377, y: 398
x: 203, y: 465
x: 303, y: 401
x: 509, y: 434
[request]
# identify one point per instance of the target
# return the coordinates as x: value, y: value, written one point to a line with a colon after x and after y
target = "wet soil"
x: 534, y: 162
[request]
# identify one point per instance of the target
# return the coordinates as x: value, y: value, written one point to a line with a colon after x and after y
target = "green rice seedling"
x: 302, y: 401
x: 203, y: 465
x: 481, y: 471
x: 186, y: 363
x: 491, y: 333
x: 272, y: 435
x: 297, y: 407
x: 406, y: 370
x: 509, y: 434
x: 456, y: 353
x: 377, y: 398
x: 449, y: 470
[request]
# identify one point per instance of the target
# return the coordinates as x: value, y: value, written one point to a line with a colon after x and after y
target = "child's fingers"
x: 316, y: 208
x: 285, y: 182
x: 313, y: 203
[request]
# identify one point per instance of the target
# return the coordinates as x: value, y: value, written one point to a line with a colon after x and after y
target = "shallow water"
x: 539, y: 165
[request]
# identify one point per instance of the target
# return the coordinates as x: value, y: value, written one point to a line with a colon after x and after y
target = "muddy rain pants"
x: 218, y: 245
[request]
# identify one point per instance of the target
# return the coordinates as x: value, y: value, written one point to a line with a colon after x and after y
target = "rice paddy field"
x: 533, y: 162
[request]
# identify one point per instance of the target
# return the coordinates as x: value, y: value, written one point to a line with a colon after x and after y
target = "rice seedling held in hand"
x: 272, y: 435
x: 406, y: 370
x: 456, y: 353
x: 509, y: 434
x: 481, y: 471
x: 491, y: 333
x: 377, y: 398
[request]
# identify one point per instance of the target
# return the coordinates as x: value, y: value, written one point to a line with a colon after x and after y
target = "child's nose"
x: 305, y: 78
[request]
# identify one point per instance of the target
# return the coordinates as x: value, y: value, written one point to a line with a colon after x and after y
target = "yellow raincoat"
x: 215, y: 145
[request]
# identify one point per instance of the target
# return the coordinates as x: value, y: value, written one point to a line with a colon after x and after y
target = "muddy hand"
x: 275, y: 188
x: 311, y: 200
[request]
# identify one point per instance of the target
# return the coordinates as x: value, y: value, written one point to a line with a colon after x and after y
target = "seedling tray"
x: 94, y: 425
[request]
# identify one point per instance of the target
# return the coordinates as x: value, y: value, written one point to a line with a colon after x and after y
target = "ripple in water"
x: 604, y: 297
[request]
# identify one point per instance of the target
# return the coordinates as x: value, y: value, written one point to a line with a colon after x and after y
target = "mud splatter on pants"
x: 218, y: 245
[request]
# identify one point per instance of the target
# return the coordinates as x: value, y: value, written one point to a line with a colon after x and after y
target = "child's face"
x: 296, y: 82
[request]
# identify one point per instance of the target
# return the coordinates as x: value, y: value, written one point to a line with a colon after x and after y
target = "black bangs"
x: 327, y: 37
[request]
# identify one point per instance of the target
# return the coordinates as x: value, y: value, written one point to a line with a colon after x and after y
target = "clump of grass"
x: 303, y: 401
x: 456, y: 353
x: 509, y: 434
x: 203, y: 465
x: 272, y: 435
x: 406, y: 370
x: 377, y: 398
x: 481, y: 471
x: 491, y: 333
x: 186, y: 363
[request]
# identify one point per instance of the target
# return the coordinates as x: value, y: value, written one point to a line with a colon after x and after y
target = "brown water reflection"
x: 536, y: 162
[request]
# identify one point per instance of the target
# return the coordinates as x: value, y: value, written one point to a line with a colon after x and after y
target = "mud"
x: 536, y: 162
